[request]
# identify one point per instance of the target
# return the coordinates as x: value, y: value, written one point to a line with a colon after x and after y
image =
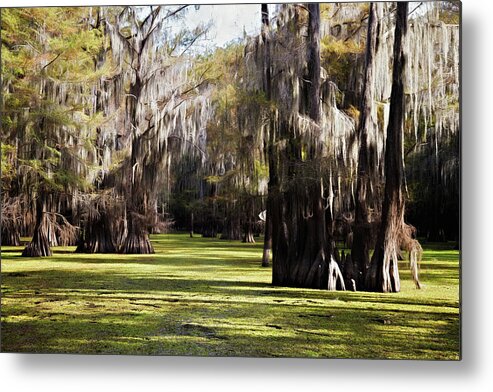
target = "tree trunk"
x: 248, y: 236
x: 191, y: 225
x: 301, y: 252
x: 269, y: 148
x: 10, y: 234
x: 209, y: 225
x: 267, y: 240
x: 137, y: 240
x: 267, y: 56
x: 51, y: 234
x: 360, y: 251
x: 97, y: 236
x: 231, y: 228
x: 383, y: 274
x: 39, y: 245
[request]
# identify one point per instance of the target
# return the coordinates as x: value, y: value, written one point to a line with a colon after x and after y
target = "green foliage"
x: 217, y: 65
x: 233, y: 135
x: 48, y: 65
x: 7, y: 160
x: 66, y: 180
x: 450, y: 12
x: 338, y: 57
x: 261, y: 170
x: 353, y: 112
x: 212, y: 179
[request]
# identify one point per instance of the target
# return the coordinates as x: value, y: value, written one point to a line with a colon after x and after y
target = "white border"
x: 87, y: 373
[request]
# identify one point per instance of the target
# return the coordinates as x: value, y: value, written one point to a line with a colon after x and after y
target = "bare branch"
x: 52, y: 61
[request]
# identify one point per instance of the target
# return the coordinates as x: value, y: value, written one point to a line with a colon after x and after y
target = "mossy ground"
x: 210, y: 297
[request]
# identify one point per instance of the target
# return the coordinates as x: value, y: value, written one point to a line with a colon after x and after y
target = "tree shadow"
x: 281, y: 335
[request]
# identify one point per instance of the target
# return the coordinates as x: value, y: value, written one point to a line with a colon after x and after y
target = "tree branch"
x: 52, y: 61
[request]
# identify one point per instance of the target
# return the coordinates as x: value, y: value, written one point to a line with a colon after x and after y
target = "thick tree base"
x: 321, y: 275
x: 248, y: 238
x: 96, y: 237
x: 335, y: 280
x: 11, y: 239
x: 38, y: 247
x: 383, y: 274
x: 231, y: 235
x: 231, y: 230
x: 137, y: 244
x: 95, y: 246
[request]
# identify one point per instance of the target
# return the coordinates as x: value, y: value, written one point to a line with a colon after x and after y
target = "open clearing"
x: 211, y: 297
